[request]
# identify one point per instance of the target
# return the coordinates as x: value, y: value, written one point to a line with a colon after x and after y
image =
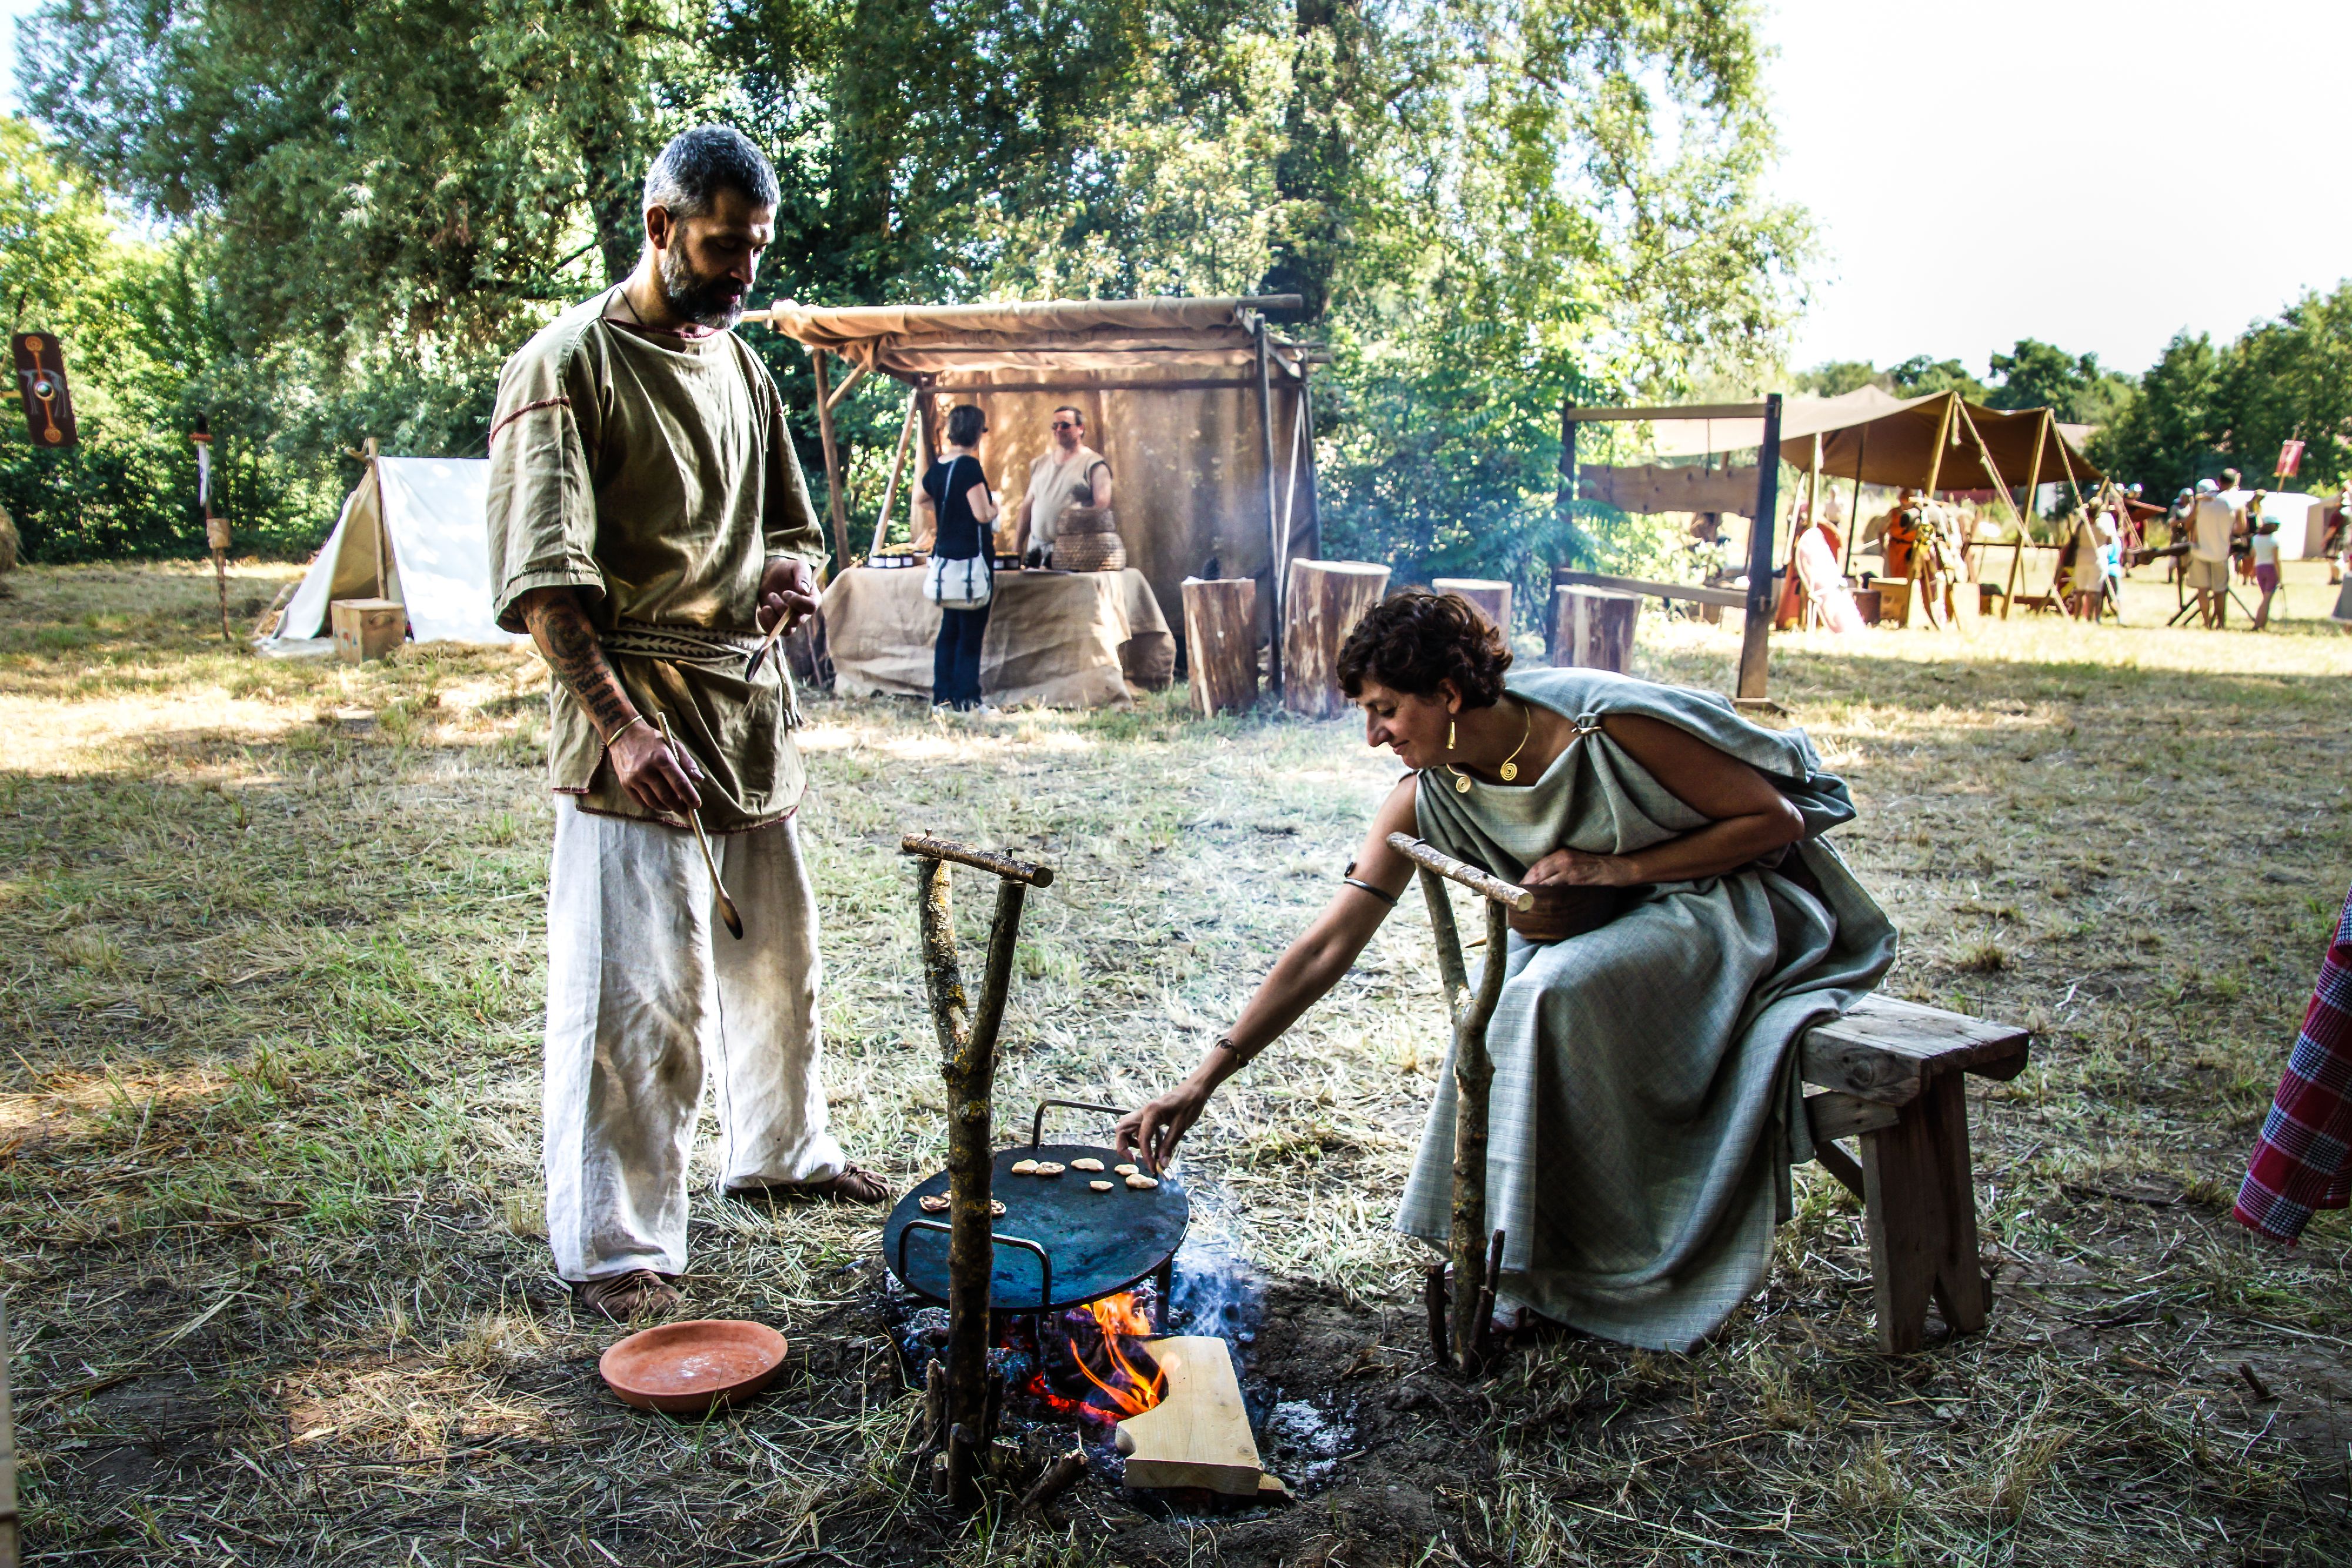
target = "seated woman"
x: 1692, y: 924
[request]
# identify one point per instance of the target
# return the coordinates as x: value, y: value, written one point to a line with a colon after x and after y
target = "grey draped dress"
x: 1646, y: 1105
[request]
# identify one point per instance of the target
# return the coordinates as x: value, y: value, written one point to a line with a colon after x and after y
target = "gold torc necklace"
x: 1511, y: 768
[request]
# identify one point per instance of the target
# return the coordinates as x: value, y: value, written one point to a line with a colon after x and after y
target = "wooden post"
x: 968, y: 1067
x: 1221, y: 644
x: 2032, y: 488
x: 836, y: 509
x: 1755, y: 632
x: 1274, y: 542
x: 1592, y: 629
x: 1321, y: 605
x: 897, y: 466
x: 1309, y: 542
x: 1491, y: 599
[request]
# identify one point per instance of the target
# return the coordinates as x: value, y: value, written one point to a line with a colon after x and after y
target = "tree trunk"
x: 1221, y: 644
x: 1492, y: 599
x: 1592, y: 629
x: 616, y: 203
x: 1323, y: 601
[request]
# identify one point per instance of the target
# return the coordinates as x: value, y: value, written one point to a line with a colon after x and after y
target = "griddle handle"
x: 1037, y: 1124
x: 1045, y: 1259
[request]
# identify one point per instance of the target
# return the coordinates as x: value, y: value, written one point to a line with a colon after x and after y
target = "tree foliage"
x: 1487, y: 206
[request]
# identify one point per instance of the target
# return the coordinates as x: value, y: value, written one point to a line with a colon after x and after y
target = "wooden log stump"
x: 1592, y: 629
x: 1322, y: 603
x: 1492, y: 599
x: 1221, y: 644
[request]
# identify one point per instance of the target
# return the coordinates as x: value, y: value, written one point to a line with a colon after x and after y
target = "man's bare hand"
x: 1152, y: 1135
x: 1575, y: 869
x: 786, y: 590
x: 656, y: 777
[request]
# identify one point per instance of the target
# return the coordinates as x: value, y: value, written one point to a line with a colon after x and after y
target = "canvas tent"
x: 1203, y: 410
x: 411, y: 530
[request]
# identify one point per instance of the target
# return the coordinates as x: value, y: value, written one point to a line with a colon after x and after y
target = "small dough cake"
x: 936, y: 1204
x: 996, y: 1207
x: 1125, y: 1170
x: 1087, y: 1164
x: 1024, y: 1167
x: 1142, y: 1183
x: 1049, y: 1168
x: 1099, y: 1186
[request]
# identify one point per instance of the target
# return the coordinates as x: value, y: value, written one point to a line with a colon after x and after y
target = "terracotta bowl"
x: 695, y: 1368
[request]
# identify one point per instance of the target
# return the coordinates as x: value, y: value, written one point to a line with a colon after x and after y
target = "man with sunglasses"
x: 1067, y: 474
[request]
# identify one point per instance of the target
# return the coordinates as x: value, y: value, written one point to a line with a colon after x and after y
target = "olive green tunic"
x: 656, y: 475
x: 1646, y: 1104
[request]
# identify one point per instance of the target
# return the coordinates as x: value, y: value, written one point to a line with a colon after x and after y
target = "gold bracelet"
x: 624, y: 729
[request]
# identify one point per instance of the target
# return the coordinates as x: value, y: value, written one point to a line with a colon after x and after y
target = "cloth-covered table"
x: 1055, y: 639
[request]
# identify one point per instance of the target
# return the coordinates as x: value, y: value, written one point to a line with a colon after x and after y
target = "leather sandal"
x: 853, y: 1185
x: 624, y: 1298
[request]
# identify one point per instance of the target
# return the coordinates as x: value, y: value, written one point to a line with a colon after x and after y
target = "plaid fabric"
x: 2303, y: 1160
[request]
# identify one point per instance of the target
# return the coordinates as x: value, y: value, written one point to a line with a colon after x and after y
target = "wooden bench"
x: 1889, y: 1074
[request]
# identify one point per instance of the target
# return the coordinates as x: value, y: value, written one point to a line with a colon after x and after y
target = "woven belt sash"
x: 701, y: 646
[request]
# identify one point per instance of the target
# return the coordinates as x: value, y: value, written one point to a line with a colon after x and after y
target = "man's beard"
x: 706, y: 301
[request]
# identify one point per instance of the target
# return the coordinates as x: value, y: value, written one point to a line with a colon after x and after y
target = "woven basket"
x: 1086, y: 539
x: 1090, y: 552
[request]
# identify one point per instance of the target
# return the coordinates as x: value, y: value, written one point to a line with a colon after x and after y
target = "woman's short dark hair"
x: 1412, y: 640
x: 965, y: 423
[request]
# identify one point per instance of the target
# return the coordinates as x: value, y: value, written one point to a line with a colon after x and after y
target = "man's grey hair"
x: 688, y: 175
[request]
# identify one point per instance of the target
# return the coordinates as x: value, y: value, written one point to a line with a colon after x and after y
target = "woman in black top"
x: 955, y: 494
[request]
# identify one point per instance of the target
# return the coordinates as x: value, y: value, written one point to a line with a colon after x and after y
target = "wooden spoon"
x: 694, y: 820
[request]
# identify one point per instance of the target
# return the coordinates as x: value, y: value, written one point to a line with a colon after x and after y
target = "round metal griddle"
x: 1092, y: 1244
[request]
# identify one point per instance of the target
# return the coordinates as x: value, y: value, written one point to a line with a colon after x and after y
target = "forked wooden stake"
x: 1477, y: 1254
x: 968, y: 1066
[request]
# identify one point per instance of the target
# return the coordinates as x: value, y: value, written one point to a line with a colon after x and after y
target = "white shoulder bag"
x: 965, y: 584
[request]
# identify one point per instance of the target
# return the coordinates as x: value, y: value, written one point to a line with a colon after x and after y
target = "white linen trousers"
x: 648, y: 996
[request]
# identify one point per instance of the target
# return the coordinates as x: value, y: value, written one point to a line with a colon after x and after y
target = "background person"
x: 1065, y: 474
x: 2212, y: 528
x: 2263, y: 544
x: 961, y: 513
x: 648, y: 518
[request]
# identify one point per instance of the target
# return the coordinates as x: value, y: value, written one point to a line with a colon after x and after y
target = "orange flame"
x: 1131, y: 1391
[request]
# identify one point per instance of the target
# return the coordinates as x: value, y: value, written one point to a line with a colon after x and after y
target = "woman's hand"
x: 1152, y: 1133
x: 1575, y: 869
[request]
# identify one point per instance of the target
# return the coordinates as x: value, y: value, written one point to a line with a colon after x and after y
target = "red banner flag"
x: 2289, y: 459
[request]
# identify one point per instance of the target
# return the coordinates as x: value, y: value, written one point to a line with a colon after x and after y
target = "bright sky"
x: 2061, y: 145
x: 2073, y: 157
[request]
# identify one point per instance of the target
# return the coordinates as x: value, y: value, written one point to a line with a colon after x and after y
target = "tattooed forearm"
x: 567, y: 640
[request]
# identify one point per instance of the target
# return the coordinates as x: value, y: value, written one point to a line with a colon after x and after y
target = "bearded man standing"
x: 647, y: 520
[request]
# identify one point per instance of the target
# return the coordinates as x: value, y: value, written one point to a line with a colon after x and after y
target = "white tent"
x: 411, y: 530
x: 2301, y: 520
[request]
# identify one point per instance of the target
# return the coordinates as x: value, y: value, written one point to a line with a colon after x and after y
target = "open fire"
x: 1090, y: 1363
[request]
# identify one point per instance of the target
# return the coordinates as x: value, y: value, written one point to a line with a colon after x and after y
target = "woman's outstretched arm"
x: 1308, y: 969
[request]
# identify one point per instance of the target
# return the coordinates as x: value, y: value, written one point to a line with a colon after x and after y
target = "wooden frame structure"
x: 1076, y: 347
x: 1756, y: 606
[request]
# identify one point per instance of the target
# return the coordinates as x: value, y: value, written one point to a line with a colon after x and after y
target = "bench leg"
x: 1919, y: 1198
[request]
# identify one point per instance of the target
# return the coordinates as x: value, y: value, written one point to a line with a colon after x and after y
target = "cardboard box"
x: 367, y: 628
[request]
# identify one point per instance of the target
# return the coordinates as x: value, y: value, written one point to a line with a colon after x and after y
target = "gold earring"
x: 1449, y: 734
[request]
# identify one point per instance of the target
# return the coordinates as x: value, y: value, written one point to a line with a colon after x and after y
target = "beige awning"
x: 1891, y: 439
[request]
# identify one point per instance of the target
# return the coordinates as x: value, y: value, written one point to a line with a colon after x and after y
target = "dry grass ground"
x: 270, y: 966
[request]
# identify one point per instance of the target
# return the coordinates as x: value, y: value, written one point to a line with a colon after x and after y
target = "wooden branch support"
x: 1060, y: 1477
x: 968, y: 1067
x: 1476, y: 1252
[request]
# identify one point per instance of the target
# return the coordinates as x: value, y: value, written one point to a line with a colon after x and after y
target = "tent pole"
x: 2032, y: 487
x: 1853, y: 523
x: 1274, y: 545
x: 382, y: 581
x: 835, y: 510
x: 1984, y: 455
x: 1755, y: 653
x: 1290, y: 485
x: 1943, y: 435
x: 898, y: 465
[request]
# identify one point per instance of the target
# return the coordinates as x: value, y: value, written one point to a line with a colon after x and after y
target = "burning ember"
x: 1119, y: 1324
